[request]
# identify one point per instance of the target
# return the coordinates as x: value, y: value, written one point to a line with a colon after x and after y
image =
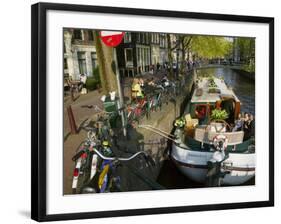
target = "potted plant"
x: 218, y: 117
x: 218, y: 114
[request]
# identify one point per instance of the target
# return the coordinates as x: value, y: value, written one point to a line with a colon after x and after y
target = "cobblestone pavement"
x: 80, y: 114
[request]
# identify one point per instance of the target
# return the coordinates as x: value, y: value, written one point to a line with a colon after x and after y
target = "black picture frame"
x: 39, y: 108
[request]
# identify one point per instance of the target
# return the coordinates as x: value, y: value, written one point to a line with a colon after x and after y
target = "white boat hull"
x: 193, y: 164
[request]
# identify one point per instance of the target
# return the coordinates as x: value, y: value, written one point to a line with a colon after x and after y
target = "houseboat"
x: 209, y: 147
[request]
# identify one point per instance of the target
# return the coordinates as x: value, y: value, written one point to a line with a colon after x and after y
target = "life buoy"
x: 220, y: 138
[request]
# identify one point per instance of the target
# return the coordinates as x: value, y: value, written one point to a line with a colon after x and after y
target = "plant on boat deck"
x: 212, y: 83
x: 218, y: 114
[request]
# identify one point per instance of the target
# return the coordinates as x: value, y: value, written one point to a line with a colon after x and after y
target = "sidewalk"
x: 80, y: 114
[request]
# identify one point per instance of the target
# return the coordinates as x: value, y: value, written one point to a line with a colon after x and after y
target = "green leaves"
x: 208, y: 46
x: 246, y: 48
x: 218, y: 114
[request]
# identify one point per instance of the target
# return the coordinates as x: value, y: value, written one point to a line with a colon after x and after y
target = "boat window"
x: 201, y: 113
x: 211, y: 108
x: 201, y: 110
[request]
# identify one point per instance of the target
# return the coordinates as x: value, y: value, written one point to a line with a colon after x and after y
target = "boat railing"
x: 205, y: 136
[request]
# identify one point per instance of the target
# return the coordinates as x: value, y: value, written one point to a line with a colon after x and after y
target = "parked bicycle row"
x: 149, y: 95
x: 96, y: 165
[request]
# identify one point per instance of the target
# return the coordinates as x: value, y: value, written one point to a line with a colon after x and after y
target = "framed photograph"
x: 140, y: 111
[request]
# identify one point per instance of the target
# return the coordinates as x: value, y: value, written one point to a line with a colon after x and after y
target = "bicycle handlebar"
x: 118, y: 158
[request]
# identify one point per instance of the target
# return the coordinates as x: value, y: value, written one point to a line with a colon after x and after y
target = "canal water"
x: 243, y: 87
x: 170, y: 177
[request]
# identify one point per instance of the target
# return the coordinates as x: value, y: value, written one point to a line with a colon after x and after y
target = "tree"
x: 170, y: 55
x: 106, y: 68
x: 247, y: 52
x: 209, y: 46
x: 247, y: 48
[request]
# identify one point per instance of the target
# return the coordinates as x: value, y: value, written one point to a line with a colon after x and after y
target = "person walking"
x: 82, y: 84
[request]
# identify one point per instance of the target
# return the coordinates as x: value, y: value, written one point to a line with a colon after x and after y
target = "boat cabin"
x: 212, y: 93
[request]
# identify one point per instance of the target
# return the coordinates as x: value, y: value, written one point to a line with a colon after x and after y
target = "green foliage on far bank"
x: 210, y: 46
x: 249, y: 68
x: 246, y: 48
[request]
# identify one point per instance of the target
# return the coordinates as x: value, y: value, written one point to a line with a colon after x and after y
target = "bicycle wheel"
x: 81, y: 173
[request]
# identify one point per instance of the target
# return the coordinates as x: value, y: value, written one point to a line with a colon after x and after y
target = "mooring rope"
x: 158, y: 131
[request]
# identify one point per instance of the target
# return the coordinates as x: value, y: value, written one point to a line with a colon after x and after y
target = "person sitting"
x: 141, y: 82
x: 150, y: 86
x: 238, y: 123
x: 252, y: 126
x: 136, y: 89
x: 246, y: 126
x: 165, y: 81
x: 200, y: 113
x: 151, y: 82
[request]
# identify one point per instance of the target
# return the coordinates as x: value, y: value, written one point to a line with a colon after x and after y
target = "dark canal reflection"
x: 170, y: 177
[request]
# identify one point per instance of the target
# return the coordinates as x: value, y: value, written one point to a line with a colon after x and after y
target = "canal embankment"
x: 249, y: 75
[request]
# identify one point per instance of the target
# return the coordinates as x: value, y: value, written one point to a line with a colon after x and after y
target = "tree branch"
x: 188, y: 42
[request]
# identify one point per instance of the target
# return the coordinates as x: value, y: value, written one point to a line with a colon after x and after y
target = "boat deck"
x: 205, y: 96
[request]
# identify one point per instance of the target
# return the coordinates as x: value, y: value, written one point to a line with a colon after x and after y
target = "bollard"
x: 71, y: 119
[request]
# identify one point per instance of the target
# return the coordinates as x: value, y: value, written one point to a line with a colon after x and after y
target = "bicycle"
x: 85, y: 162
x: 100, y: 175
x: 155, y: 99
x: 102, y: 124
x: 137, y: 110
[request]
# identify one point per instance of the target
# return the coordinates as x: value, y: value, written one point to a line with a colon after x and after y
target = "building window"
x: 141, y: 34
x: 77, y: 34
x: 162, y: 40
x: 139, y: 55
x: 90, y: 35
x: 138, y: 37
x: 64, y: 63
x: 94, y: 60
x: 145, y: 56
x: 82, y: 63
x: 143, y: 38
x: 147, y: 52
x: 129, y: 57
x: 127, y: 37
